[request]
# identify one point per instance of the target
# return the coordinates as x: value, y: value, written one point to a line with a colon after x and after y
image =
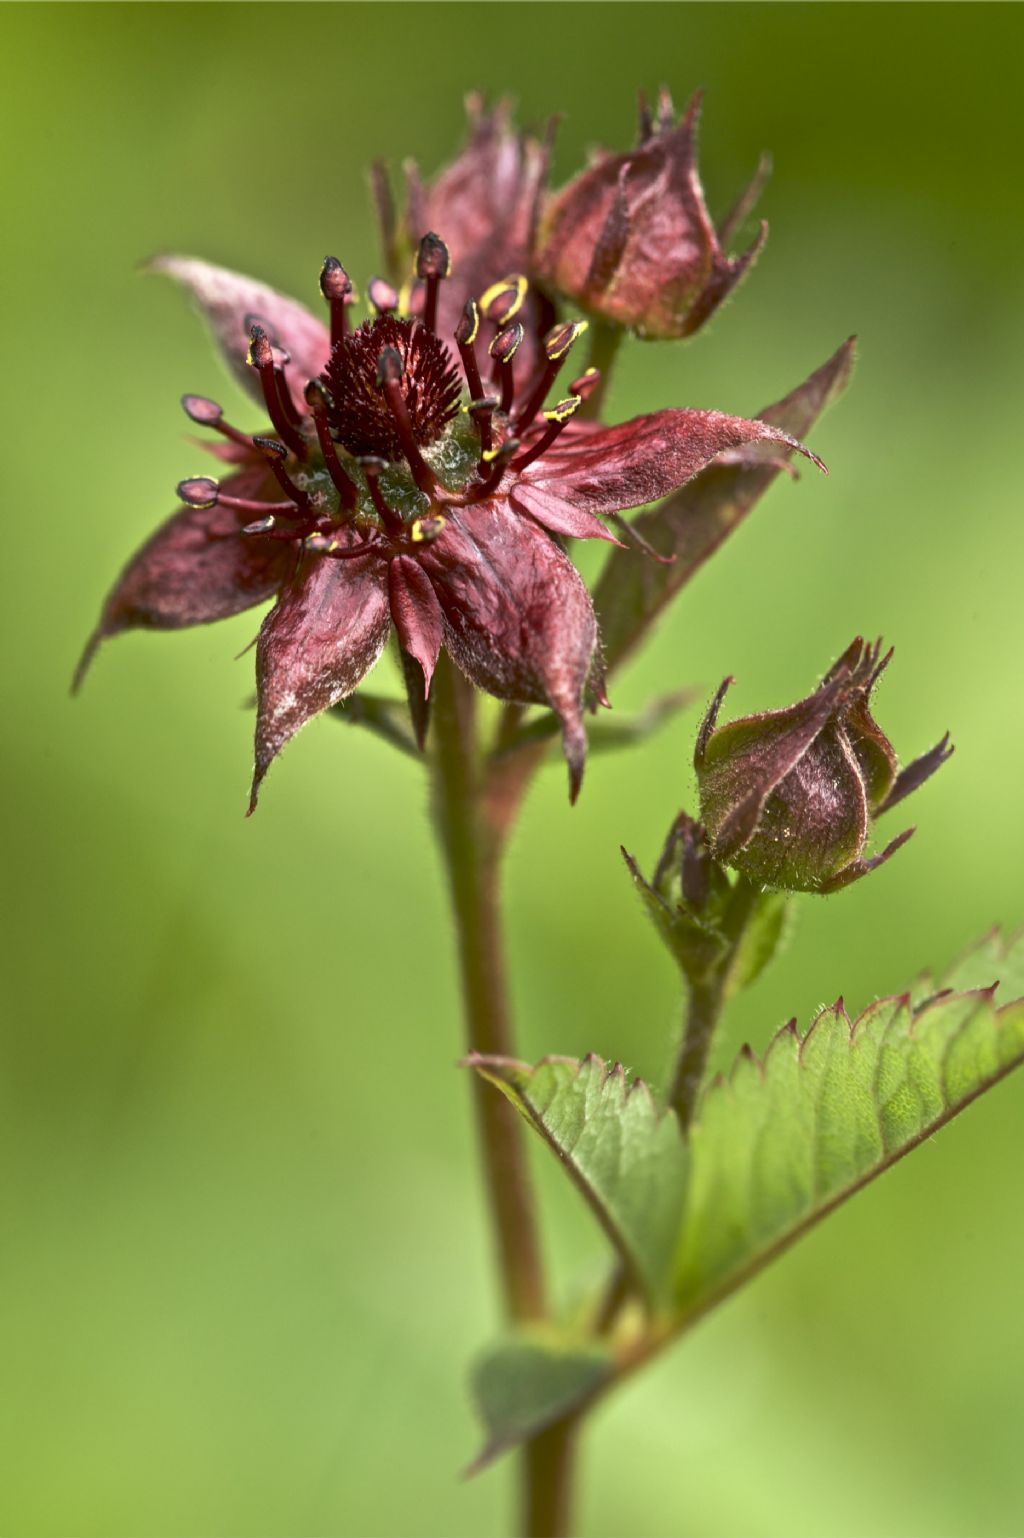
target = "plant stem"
x: 472, y: 852
x: 604, y: 345
x: 703, y: 1006
x: 549, y: 1468
x: 704, y: 999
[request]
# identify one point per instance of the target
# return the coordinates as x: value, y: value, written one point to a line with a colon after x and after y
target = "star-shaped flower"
x: 383, y: 498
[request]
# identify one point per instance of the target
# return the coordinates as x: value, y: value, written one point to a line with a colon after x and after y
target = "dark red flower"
x: 788, y: 796
x: 378, y: 502
x: 631, y: 238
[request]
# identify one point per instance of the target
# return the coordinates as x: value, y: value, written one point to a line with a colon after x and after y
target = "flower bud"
x: 788, y: 797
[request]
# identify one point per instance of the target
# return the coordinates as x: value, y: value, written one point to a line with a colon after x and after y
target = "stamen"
x: 275, y: 454
x: 326, y: 544
x: 382, y: 296
x: 433, y: 264
x: 261, y: 358
x: 556, y: 418
x: 504, y: 299
x: 482, y: 412
x: 389, y: 379
x: 465, y: 336
x: 423, y: 531
x: 371, y: 467
x: 316, y: 400
x: 557, y: 346
x: 199, y: 491
x: 503, y: 350
x: 336, y: 287
x: 207, y: 413
x: 496, y: 462
x: 586, y: 384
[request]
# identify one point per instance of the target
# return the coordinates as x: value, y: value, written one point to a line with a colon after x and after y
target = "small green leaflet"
x: 524, y: 1385
x: 775, y: 1146
x: 625, y: 1155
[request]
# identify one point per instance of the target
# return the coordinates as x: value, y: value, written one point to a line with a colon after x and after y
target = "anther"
x: 261, y: 358
x: 423, y: 531
x: 316, y: 400
x: 504, y: 299
x: 493, y: 465
x: 503, y: 350
x: 207, y: 413
x: 275, y: 454
x: 382, y: 296
x: 371, y: 467
x: 389, y: 379
x: 199, y: 491
x: 336, y: 287
x: 556, y: 418
x: 586, y: 384
x: 433, y: 264
x: 557, y: 346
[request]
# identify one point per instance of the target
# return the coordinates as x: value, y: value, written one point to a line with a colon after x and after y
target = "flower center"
x: 359, y: 411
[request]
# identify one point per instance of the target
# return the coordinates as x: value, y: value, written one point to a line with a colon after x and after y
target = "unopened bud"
x: 788, y: 797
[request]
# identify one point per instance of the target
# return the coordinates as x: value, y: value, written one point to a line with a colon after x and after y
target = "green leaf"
x: 606, y: 734
x: 624, y: 1153
x: 765, y: 931
x: 384, y: 717
x: 996, y: 958
x: 527, y: 1383
x: 691, y: 524
x: 782, y: 1142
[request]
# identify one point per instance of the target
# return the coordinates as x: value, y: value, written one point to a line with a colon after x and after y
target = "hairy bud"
x: 788, y: 797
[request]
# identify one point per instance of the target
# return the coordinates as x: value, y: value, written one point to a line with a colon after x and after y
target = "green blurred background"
x: 244, y: 1261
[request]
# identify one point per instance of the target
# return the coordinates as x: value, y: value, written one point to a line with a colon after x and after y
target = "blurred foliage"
x: 244, y: 1258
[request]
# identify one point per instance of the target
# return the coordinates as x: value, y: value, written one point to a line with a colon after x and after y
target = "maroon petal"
x: 518, y: 619
x: 195, y: 569
x: 231, y: 303
x: 322, y: 637
x: 556, y: 514
x: 416, y: 613
x: 484, y: 206
x: 645, y: 459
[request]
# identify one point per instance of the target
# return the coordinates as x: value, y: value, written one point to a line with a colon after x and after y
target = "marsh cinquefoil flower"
x: 412, y: 477
x: 788, y: 796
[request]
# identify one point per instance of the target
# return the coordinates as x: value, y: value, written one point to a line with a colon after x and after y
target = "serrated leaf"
x: 625, y: 1154
x: 691, y: 524
x: 996, y: 958
x: 782, y: 1142
x: 525, y: 1384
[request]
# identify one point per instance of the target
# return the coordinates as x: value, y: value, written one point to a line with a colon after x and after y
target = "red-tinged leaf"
x: 195, y: 569
x: 518, y: 618
x: 691, y: 524
x: 320, y: 640
x: 416, y: 613
x: 635, y: 462
x: 231, y: 302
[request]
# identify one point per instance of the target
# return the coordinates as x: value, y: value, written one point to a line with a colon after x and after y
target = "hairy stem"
x: 704, y: 999
x: 472, y: 851
x: 474, y: 812
x: 703, y: 1006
